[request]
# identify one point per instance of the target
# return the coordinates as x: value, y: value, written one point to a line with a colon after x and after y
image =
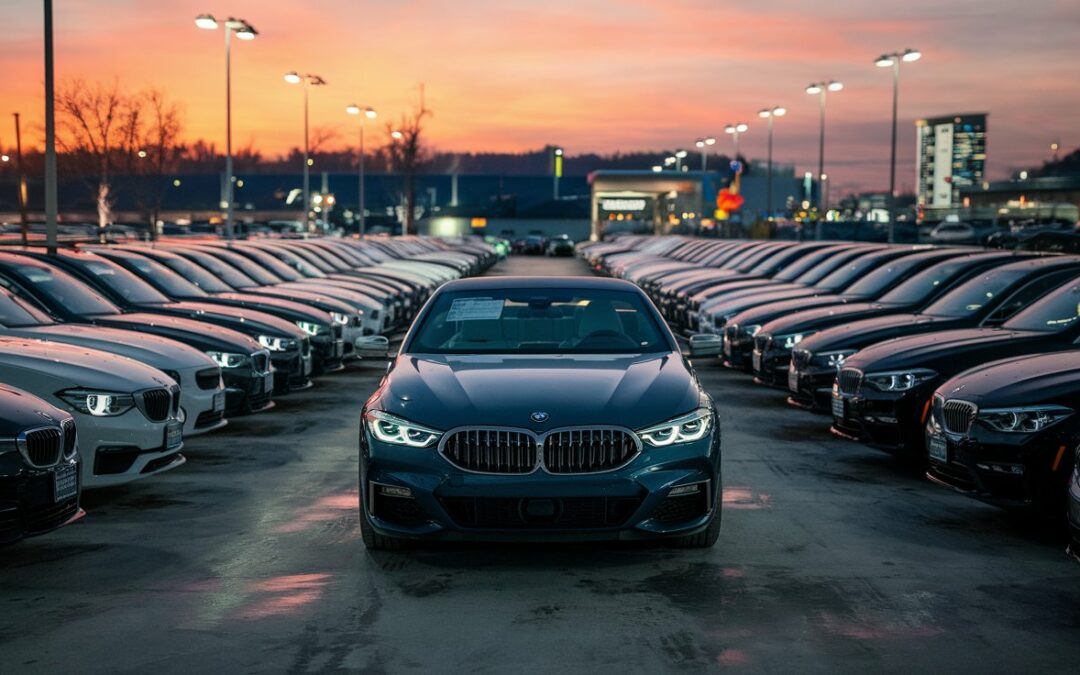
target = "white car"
x: 202, y: 392
x: 127, y: 413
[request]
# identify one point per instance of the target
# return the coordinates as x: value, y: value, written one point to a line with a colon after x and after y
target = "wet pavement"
x: 832, y: 558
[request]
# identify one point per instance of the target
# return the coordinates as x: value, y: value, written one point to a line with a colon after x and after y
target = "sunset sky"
x: 591, y: 75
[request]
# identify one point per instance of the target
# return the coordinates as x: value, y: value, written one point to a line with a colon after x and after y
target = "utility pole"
x: 22, y: 182
x: 50, y: 136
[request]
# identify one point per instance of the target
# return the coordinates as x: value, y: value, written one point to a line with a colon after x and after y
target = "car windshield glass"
x: 883, y: 277
x: 539, y: 321
x: 271, y: 263
x: 18, y: 313
x: 65, y: 290
x: 924, y: 284
x: 797, y: 268
x: 122, y: 282
x: 172, y: 283
x: 246, y: 265
x: 1055, y: 312
x: 973, y: 295
x: 221, y: 269
x: 296, y: 262
x: 196, y: 275
x: 841, y: 277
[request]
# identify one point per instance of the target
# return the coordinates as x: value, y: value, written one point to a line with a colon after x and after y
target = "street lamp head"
x: 779, y: 111
x: 764, y: 112
x: 740, y: 127
x: 729, y: 129
x: 370, y: 113
x: 141, y: 154
x: 884, y: 61
x: 657, y: 168
x: 352, y: 109
x: 910, y: 55
x: 680, y: 154
x: 558, y: 152
x: 246, y: 32
x: 813, y: 88
x: 206, y: 22
x: 315, y: 80
x: 4, y: 158
x: 835, y: 86
x: 293, y: 77
x: 710, y: 141
x: 396, y: 135
x: 699, y: 143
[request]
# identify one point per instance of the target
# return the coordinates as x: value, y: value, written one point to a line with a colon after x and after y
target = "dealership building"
x: 950, y: 157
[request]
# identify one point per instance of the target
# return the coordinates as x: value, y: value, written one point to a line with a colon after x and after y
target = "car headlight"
x: 228, y: 359
x: 899, y: 380
x: 1023, y: 420
x: 833, y: 359
x: 98, y: 403
x: 750, y: 330
x: 392, y: 429
x: 277, y: 344
x: 311, y: 328
x: 340, y: 318
x: 683, y: 429
x: 790, y: 340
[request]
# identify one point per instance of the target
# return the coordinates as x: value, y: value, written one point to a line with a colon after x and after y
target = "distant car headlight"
x: 392, y: 429
x: 834, y: 359
x: 277, y: 344
x: 683, y: 429
x: 340, y: 318
x: 312, y: 328
x: 791, y: 339
x: 228, y: 359
x: 98, y: 403
x: 1023, y: 420
x: 899, y: 380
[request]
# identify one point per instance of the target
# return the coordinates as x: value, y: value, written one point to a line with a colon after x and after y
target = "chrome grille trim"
x: 957, y: 416
x: 41, y: 447
x: 70, y: 438
x: 849, y: 380
x: 156, y: 404
x: 516, y: 451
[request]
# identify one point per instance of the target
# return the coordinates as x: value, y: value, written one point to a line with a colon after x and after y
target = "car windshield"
x: 225, y: 272
x: 803, y: 264
x: 841, y: 277
x: 923, y: 285
x: 172, y: 283
x: 18, y: 313
x: 973, y: 295
x: 1055, y: 312
x: 123, y: 283
x: 65, y: 290
x: 883, y: 277
x: 539, y: 321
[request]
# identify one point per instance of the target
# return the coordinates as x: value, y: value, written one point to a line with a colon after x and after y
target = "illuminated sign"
x: 622, y: 204
x: 479, y: 222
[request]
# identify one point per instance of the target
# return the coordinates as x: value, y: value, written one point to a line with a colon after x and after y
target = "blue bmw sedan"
x: 539, y: 409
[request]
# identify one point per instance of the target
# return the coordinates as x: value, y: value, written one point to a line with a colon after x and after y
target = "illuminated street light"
x: 770, y: 114
x: 735, y: 130
x: 141, y: 154
x: 894, y: 60
x: 396, y: 135
x: 822, y: 89
x: 364, y: 114
x: 680, y: 155
x: 657, y: 168
x: 243, y: 31
x: 309, y: 81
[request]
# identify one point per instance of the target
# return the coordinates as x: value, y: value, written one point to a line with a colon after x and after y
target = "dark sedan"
x: 776, y: 340
x: 987, y: 300
x: 1005, y: 432
x: 539, y: 409
x: 39, y: 467
x: 882, y: 394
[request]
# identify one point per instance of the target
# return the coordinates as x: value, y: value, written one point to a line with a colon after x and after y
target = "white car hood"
x: 75, y: 366
x: 159, y: 352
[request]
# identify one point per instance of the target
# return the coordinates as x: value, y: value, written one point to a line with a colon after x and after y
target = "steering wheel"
x: 608, y: 335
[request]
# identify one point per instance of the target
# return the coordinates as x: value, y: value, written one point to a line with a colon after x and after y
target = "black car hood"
x: 1028, y: 380
x: 238, y: 318
x: 864, y: 332
x: 760, y: 311
x: 445, y: 391
x: 279, y: 307
x: 793, y: 298
x: 199, y: 334
x: 20, y: 410
x: 951, y: 351
x: 824, y: 317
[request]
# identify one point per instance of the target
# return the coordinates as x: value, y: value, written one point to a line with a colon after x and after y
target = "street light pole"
x: 23, y: 220
x: 308, y: 80
x: 364, y: 114
x: 821, y: 90
x: 735, y: 130
x: 50, y: 136
x: 244, y: 31
x: 893, y: 61
x: 769, y: 114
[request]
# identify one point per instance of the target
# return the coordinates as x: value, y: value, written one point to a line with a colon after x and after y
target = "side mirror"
x: 706, y: 344
x: 372, y: 346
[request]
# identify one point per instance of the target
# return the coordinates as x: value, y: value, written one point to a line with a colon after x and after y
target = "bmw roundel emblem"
x: 539, y: 417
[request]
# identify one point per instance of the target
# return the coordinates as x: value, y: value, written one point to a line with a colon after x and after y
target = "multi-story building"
x: 951, y: 156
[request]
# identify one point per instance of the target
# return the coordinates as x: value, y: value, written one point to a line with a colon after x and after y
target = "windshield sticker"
x: 475, y: 309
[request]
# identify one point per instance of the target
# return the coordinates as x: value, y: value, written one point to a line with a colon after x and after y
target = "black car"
x: 1006, y: 432
x: 986, y: 300
x: 774, y: 343
x: 543, y: 409
x: 39, y: 467
x: 289, y: 345
x: 245, y: 365
x: 560, y: 244
x: 883, y: 393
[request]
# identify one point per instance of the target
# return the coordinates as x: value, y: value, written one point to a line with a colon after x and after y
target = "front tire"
x: 704, y: 539
x: 372, y: 539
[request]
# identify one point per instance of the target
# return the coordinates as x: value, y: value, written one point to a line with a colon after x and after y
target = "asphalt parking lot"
x: 832, y: 558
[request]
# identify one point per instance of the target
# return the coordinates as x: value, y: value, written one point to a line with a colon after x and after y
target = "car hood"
x: 722, y: 306
x: 759, y: 312
x: 1028, y: 380
x: 950, y: 351
x: 20, y: 410
x: 200, y: 334
x: 241, y: 319
x: 818, y: 318
x: 732, y: 296
x: 280, y: 307
x: 445, y: 391
x: 37, y: 360
x: 864, y: 332
x: 156, y: 351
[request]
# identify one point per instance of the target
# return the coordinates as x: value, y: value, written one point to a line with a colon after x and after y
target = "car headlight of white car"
x: 277, y: 344
x: 683, y: 429
x: 339, y: 318
x: 393, y: 429
x: 98, y: 403
x: 899, y: 380
x: 311, y: 328
x: 229, y: 359
x: 1023, y: 420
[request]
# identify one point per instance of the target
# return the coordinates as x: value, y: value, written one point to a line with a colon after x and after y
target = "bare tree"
x: 160, y: 147
x: 407, y: 155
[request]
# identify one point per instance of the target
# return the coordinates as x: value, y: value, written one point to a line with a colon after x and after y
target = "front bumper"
x: 204, y: 409
x: 28, y: 504
x: 811, y: 387
x: 770, y: 366
x: 448, y: 503
x: 124, y: 448
x: 890, y: 421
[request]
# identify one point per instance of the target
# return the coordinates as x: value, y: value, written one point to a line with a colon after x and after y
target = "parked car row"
x: 112, y: 355
x: 962, y: 360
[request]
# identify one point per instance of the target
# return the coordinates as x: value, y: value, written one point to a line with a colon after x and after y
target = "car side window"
x: 1026, y: 295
